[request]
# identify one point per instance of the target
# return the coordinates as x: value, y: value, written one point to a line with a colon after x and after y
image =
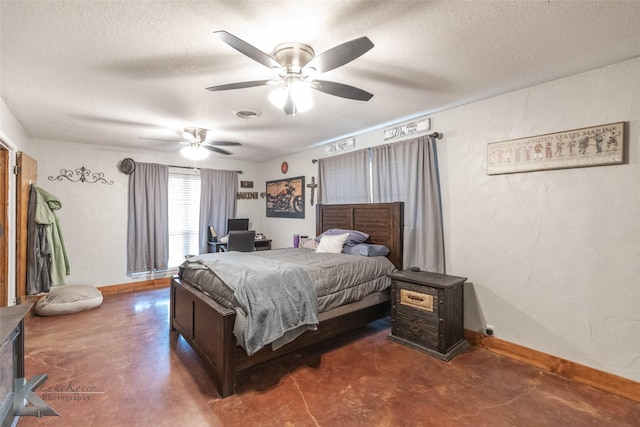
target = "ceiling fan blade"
x: 247, y: 49
x: 340, y: 55
x: 158, y: 139
x: 215, y: 149
x: 222, y: 143
x: 241, y: 85
x: 341, y: 90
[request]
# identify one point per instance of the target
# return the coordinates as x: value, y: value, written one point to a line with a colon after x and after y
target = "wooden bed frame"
x: 208, y: 326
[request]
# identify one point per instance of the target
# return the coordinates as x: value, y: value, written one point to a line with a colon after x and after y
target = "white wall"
x: 552, y: 257
x: 94, y: 216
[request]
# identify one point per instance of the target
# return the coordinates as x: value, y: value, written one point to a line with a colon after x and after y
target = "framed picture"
x: 285, y: 198
x: 593, y: 146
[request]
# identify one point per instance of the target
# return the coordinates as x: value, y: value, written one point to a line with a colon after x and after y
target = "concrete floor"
x: 118, y: 365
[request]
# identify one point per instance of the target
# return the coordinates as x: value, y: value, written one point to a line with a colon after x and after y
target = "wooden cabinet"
x: 11, y: 357
x: 427, y: 312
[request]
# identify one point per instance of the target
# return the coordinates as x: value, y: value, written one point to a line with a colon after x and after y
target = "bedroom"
x: 502, y: 232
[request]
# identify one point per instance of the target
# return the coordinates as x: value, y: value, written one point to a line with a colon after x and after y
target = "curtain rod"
x: 194, y: 168
x: 436, y: 135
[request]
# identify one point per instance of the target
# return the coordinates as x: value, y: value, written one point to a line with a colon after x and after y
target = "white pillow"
x: 332, y: 244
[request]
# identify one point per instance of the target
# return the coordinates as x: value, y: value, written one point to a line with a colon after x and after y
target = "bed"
x: 208, y: 323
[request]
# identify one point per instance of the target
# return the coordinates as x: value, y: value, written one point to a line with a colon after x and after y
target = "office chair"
x: 241, y: 241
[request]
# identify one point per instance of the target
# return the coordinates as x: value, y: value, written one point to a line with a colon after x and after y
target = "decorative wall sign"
x: 340, y: 146
x: 246, y: 184
x: 246, y: 195
x: 593, y: 146
x: 284, y: 167
x: 412, y: 128
x: 285, y: 198
x: 83, y: 176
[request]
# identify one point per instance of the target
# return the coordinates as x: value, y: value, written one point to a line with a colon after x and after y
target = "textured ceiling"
x: 124, y: 73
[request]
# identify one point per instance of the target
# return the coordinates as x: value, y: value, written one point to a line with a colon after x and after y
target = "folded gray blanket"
x: 277, y: 297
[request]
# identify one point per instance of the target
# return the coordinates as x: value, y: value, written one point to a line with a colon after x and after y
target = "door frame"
x: 8, y: 218
x: 5, y: 167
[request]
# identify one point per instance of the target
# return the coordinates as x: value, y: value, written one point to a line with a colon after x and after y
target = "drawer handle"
x: 415, y: 331
x: 415, y: 298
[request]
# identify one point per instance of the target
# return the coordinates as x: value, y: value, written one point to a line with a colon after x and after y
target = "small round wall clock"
x: 284, y: 167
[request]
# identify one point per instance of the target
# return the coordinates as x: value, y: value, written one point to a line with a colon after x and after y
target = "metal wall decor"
x: 83, y: 176
x: 312, y: 186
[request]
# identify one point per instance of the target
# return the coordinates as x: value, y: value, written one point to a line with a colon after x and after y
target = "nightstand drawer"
x: 419, y: 300
x: 420, y: 330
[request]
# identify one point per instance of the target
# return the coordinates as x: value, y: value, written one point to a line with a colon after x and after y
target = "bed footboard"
x: 208, y: 327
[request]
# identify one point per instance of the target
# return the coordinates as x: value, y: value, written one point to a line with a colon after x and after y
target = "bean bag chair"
x: 69, y: 299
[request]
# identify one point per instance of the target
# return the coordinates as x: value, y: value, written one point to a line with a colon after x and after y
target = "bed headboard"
x: 384, y: 222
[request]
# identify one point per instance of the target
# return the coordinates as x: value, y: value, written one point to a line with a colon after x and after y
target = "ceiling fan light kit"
x: 194, y: 152
x: 297, y: 65
x: 296, y: 93
x: 196, y: 145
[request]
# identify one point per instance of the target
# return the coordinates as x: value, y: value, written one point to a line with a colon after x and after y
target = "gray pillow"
x: 365, y: 249
x: 354, y: 237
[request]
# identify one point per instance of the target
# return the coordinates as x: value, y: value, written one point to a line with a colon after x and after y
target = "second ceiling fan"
x: 297, y: 65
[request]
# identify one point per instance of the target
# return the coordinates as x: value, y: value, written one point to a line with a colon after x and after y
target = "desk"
x: 259, y: 245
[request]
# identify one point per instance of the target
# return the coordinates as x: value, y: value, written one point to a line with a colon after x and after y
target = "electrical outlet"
x: 489, y: 330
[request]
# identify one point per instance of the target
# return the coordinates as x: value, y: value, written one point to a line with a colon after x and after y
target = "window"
x: 184, y: 211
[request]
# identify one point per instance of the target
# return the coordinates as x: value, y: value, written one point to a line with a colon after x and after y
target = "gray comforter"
x: 276, y: 297
x: 337, y: 279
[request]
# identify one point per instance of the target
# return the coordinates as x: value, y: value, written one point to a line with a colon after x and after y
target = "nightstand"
x: 427, y: 312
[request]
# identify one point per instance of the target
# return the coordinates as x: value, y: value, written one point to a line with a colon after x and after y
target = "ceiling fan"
x: 297, y: 65
x: 195, y: 140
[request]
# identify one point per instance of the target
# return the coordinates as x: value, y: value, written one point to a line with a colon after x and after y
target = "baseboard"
x: 613, y: 384
x: 144, y: 285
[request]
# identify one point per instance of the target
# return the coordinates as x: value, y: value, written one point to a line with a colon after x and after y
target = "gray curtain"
x: 344, y: 178
x: 407, y: 171
x: 218, y: 191
x: 148, y: 227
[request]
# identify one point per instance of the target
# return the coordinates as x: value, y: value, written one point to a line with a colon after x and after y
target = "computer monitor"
x: 234, y: 224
